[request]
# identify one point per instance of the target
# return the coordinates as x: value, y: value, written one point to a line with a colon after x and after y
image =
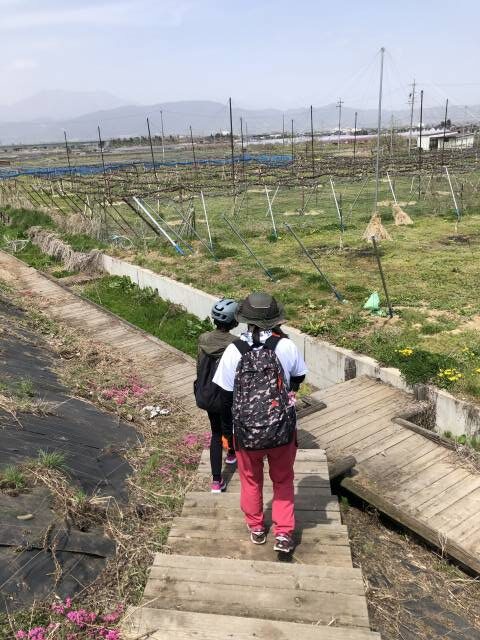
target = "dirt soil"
x: 412, y: 592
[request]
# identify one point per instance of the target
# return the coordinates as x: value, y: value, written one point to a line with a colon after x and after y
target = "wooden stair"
x: 215, y: 584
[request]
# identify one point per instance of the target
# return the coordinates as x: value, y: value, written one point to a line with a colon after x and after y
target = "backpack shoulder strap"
x: 272, y: 342
x: 242, y: 346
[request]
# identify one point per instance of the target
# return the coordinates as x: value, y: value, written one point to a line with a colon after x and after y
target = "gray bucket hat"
x: 261, y: 310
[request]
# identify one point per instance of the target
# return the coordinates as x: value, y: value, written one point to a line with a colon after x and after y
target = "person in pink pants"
x: 263, y: 316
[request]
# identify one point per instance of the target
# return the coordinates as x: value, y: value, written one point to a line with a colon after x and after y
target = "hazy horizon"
x: 264, y: 54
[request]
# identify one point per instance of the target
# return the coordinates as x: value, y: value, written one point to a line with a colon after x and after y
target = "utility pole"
x: 163, y: 137
x: 444, y: 132
x: 379, y: 126
x: 420, y: 149
x: 339, y: 107
x: 412, y: 103
x: 355, y: 137
x: 231, y: 146
x: 283, y: 130
x: 311, y: 132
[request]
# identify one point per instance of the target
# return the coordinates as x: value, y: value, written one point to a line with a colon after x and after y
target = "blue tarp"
x: 94, y: 169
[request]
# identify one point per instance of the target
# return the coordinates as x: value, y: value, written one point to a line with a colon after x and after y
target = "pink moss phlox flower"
x: 114, y: 615
x: 110, y: 634
x: 37, y: 633
x: 191, y: 440
x: 81, y: 617
x: 58, y: 607
x: 138, y: 390
x: 21, y: 634
x: 68, y: 602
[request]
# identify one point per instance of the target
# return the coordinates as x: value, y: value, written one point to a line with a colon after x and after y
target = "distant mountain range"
x: 45, y: 116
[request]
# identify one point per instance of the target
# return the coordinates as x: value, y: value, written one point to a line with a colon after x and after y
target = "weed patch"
x: 143, y: 308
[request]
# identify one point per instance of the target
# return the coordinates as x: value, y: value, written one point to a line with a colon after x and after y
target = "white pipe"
x: 206, y: 220
x: 391, y: 189
x: 271, y: 213
x: 152, y: 219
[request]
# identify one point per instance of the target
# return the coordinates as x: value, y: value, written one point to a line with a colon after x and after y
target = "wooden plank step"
x: 268, y: 590
x: 241, y: 548
x: 194, y: 527
x: 163, y: 624
x: 305, y: 500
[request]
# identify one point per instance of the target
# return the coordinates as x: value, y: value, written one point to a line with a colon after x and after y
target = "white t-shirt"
x: 288, y: 354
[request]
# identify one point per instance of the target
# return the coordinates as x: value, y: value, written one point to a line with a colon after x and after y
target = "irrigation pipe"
x: 336, y: 293
x: 257, y: 260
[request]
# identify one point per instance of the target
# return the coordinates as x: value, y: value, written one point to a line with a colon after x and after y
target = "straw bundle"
x: 400, y: 216
x: 376, y: 229
x: 53, y: 246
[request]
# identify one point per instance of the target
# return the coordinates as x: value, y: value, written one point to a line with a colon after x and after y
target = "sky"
x: 263, y: 53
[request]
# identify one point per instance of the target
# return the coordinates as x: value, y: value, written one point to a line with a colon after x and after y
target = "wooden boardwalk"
x: 418, y: 482
x: 215, y: 584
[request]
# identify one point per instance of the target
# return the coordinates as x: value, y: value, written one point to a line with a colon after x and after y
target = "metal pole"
x: 151, y: 150
x: 444, y: 132
x: 379, y: 126
x: 243, y: 148
x: 263, y: 267
x: 193, y: 149
x: 339, y: 107
x: 420, y: 150
x: 293, y: 152
x: 283, y: 129
x: 163, y: 137
x: 382, y: 276
x: 231, y: 146
x: 355, y: 138
x: 68, y: 151
x: 336, y: 293
x: 311, y: 132
x: 271, y: 213
x: 162, y: 231
x: 453, y: 195
x: 412, y: 103
x: 206, y: 219
x: 339, y: 212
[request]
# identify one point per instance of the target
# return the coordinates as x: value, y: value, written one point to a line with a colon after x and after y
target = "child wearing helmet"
x: 259, y: 375
x: 211, y: 346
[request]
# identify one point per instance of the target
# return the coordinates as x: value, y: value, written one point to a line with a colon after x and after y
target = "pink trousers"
x: 280, y: 464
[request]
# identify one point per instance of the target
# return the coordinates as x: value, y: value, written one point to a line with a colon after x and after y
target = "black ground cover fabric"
x: 44, y: 553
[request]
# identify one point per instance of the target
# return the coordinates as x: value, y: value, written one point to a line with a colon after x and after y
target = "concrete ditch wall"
x: 327, y: 364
